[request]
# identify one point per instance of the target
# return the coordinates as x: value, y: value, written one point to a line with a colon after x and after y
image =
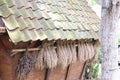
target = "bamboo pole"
x: 15, y: 51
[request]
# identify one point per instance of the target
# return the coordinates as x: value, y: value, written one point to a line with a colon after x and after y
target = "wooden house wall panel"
x: 6, y: 64
x: 58, y: 74
x: 75, y: 71
x: 36, y: 75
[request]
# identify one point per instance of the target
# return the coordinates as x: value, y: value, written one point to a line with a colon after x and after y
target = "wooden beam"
x: 2, y: 30
x: 15, y: 51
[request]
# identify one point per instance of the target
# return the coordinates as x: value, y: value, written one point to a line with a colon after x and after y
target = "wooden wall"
x: 8, y: 65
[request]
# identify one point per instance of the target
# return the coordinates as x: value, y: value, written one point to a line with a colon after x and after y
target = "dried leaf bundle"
x: 24, y: 67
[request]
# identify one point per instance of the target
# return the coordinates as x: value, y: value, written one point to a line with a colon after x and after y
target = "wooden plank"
x: 36, y: 74
x: 58, y: 73
x: 6, y: 63
x: 75, y: 71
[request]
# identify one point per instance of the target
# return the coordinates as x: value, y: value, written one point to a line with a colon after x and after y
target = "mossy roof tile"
x: 49, y: 19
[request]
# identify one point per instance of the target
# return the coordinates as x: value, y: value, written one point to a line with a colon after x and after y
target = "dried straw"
x: 85, y: 51
x: 62, y: 57
x: 54, y: 57
x: 92, y: 50
x: 81, y: 52
x: 39, y: 60
x: 68, y: 53
x: 96, y: 50
x: 89, y: 50
x: 73, y: 51
x: 47, y: 57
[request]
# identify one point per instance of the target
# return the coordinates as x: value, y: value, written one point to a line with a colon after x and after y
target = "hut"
x: 46, y: 39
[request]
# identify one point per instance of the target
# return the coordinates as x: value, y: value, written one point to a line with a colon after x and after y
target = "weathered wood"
x: 109, y: 38
x: 2, y: 30
x: 58, y: 73
x: 47, y: 74
x: 67, y: 72
x: 83, y: 71
x: 15, y: 51
x: 6, y: 64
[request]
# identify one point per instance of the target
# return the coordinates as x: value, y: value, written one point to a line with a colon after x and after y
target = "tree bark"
x: 109, y: 38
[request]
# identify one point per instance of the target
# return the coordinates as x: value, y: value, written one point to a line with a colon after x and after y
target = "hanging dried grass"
x: 96, y: 50
x: 39, y: 60
x: 62, y: 57
x: 68, y: 52
x: 24, y: 67
x: 89, y: 50
x: 81, y: 52
x: 54, y: 57
x: 47, y: 57
x: 50, y: 56
x: 85, y: 51
x: 92, y: 50
x: 73, y: 51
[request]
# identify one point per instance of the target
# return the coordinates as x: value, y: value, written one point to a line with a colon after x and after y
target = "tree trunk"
x: 109, y: 38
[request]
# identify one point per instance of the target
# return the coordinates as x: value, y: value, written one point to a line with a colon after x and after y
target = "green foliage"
x: 92, y: 2
x: 119, y: 40
x: 92, y: 69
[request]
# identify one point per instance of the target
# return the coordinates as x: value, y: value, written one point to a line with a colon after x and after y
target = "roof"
x: 49, y: 19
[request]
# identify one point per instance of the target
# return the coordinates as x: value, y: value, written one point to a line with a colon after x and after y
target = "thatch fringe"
x: 73, y: 51
x: 47, y: 56
x: 67, y: 53
x: 62, y: 56
x: 81, y: 51
x: 54, y: 56
x: 24, y: 67
x: 96, y: 44
x: 64, y: 53
x: 87, y: 50
x: 39, y: 60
